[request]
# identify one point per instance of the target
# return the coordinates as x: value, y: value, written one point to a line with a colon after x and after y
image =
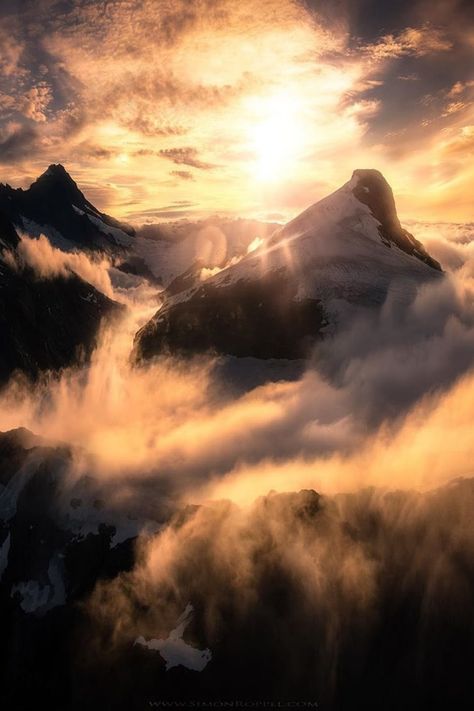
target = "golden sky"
x: 163, y: 109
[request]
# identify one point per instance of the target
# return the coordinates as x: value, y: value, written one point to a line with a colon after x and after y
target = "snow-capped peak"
x: 364, y: 206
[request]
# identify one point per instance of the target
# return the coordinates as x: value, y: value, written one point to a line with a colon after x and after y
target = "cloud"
x: 463, y: 143
x: 18, y: 143
x: 417, y: 41
x: 183, y: 174
x: 135, y: 94
x: 305, y: 584
x: 7, y: 104
x: 175, y: 209
x: 386, y: 403
x: 35, y: 101
x: 185, y: 156
x: 91, y: 150
x: 130, y: 78
x: 49, y: 262
x: 361, y: 387
x: 149, y: 126
x: 459, y: 88
x: 378, y: 424
x: 10, y: 55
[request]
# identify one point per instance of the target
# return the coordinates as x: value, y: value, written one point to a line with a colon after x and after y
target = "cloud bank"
x: 386, y: 384
x: 325, y: 591
x: 370, y: 563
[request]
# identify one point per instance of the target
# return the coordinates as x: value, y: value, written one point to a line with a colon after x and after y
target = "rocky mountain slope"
x: 346, y: 252
x: 54, y: 206
x: 368, y: 624
x: 45, y: 324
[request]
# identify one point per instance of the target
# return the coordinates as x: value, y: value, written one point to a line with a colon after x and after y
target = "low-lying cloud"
x: 49, y: 262
x: 379, y: 425
x: 385, y: 386
x: 327, y: 591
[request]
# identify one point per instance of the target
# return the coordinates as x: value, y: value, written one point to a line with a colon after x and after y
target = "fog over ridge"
x: 369, y: 384
x: 374, y: 442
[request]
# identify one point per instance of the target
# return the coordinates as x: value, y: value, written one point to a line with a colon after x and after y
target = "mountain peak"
x: 56, y: 173
x: 54, y: 205
x: 57, y: 181
x: 344, y: 253
x: 57, y: 169
x: 370, y: 188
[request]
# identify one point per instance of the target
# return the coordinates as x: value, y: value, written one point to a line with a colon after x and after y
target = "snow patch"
x: 117, y: 234
x: 175, y: 651
x: 33, y: 229
x: 35, y: 597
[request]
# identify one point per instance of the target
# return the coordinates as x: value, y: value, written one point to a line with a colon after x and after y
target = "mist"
x: 306, y: 585
x: 48, y: 262
x: 187, y: 190
x: 389, y: 382
x: 302, y: 513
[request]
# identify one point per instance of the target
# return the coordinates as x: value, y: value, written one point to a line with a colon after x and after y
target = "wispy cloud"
x: 118, y: 90
x: 185, y: 156
x: 183, y: 174
x: 417, y: 41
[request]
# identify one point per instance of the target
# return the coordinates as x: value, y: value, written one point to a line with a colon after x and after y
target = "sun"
x: 277, y: 137
x: 123, y: 158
